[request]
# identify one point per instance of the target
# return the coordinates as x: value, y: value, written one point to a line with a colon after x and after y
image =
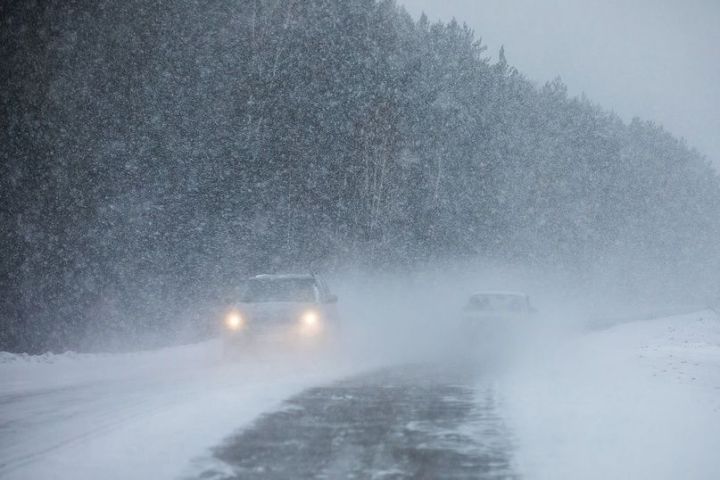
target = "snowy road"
x: 144, y: 415
x: 418, y: 422
x: 639, y: 400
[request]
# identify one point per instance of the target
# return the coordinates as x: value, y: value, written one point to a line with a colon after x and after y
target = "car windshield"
x: 280, y: 290
x: 496, y: 302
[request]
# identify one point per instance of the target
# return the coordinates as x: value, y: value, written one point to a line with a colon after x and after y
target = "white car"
x: 493, y: 316
x: 288, y: 306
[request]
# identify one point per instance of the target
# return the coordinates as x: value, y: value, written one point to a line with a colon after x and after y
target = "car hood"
x: 274, y: 310
x: 494, y: 316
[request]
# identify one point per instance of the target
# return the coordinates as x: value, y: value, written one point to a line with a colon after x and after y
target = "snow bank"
x: 23, y: 373
x: 639, y: 400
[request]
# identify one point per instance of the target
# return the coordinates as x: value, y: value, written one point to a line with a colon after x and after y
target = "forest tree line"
x: 155, y: 152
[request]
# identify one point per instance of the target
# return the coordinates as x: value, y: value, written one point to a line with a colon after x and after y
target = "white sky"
x: 656, y: 59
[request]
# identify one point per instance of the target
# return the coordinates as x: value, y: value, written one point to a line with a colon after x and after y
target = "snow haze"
x: 655, y: 59
x: 504, y: 274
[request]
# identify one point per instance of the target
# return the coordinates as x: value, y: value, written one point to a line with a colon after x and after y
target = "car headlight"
x: 234, y: 321
x: 310, y: 319
x: 310, y: 322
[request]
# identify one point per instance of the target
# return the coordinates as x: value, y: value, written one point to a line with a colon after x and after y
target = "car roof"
x: 284, y: 276
x: 499, y: 292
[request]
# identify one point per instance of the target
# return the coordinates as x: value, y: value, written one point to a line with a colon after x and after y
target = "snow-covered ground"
x: 140, y: 415
x: 638, y: 400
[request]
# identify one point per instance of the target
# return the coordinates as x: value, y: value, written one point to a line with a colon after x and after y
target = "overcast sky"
x: 656, y: 59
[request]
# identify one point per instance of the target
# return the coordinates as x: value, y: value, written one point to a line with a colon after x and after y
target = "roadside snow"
x: 639, y: 400
x: 140, y: 415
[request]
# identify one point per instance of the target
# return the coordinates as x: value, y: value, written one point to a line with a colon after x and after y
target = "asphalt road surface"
x: 415, y: 422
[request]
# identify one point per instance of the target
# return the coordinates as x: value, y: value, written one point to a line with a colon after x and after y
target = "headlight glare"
x: 310, y: 319
x: 234, y: 321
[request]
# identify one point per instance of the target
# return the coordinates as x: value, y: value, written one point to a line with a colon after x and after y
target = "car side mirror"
x: 331, y: 299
